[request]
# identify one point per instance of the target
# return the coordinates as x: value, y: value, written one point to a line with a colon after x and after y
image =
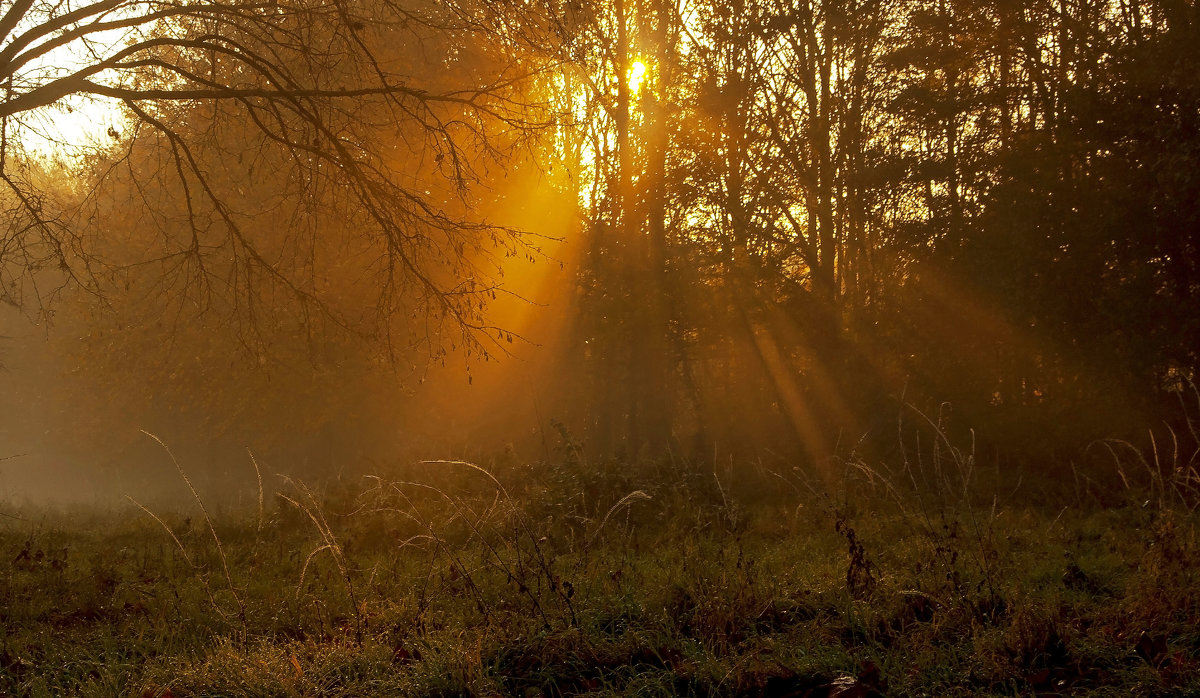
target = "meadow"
x: 938, y: 576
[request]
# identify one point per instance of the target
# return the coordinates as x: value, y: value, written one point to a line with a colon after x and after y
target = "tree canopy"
x: 793, y: 216
x: 368, y: 108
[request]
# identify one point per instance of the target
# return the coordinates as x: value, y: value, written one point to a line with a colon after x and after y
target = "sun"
x: 75, y: 122
x: 637, y: 76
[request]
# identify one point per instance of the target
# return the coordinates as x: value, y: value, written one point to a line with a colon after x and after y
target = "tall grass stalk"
x: 312, y: 509
x: 241, y: 605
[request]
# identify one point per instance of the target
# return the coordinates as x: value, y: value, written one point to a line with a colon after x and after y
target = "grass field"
x: 568, y: 578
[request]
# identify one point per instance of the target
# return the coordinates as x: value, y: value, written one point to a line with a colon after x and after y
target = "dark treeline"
x: 813, y: 211
x: 797, y: 219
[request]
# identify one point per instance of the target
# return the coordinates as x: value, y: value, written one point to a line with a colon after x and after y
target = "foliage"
x: 810, y: 206
x: 259, y: 139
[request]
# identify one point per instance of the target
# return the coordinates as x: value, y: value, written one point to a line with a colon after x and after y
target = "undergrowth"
x: 564, y: 577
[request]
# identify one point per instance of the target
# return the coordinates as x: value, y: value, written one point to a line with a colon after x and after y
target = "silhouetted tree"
x: 318, y: 87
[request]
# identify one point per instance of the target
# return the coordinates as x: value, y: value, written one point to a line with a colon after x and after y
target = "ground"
x: 568, y: 578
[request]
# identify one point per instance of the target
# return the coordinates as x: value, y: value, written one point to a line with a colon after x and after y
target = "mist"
x: 78, y: 418
x: 542, y: 348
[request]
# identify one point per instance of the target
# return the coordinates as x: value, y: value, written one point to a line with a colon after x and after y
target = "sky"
x: 74, y: 122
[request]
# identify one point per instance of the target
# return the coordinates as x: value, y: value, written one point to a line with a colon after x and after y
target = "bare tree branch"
x: 322, y: 82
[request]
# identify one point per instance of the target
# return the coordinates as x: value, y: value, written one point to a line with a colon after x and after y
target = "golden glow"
x: 73, y: 121
x: 637, y: 75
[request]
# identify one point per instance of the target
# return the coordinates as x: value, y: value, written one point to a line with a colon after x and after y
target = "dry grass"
x: 566, y: 579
